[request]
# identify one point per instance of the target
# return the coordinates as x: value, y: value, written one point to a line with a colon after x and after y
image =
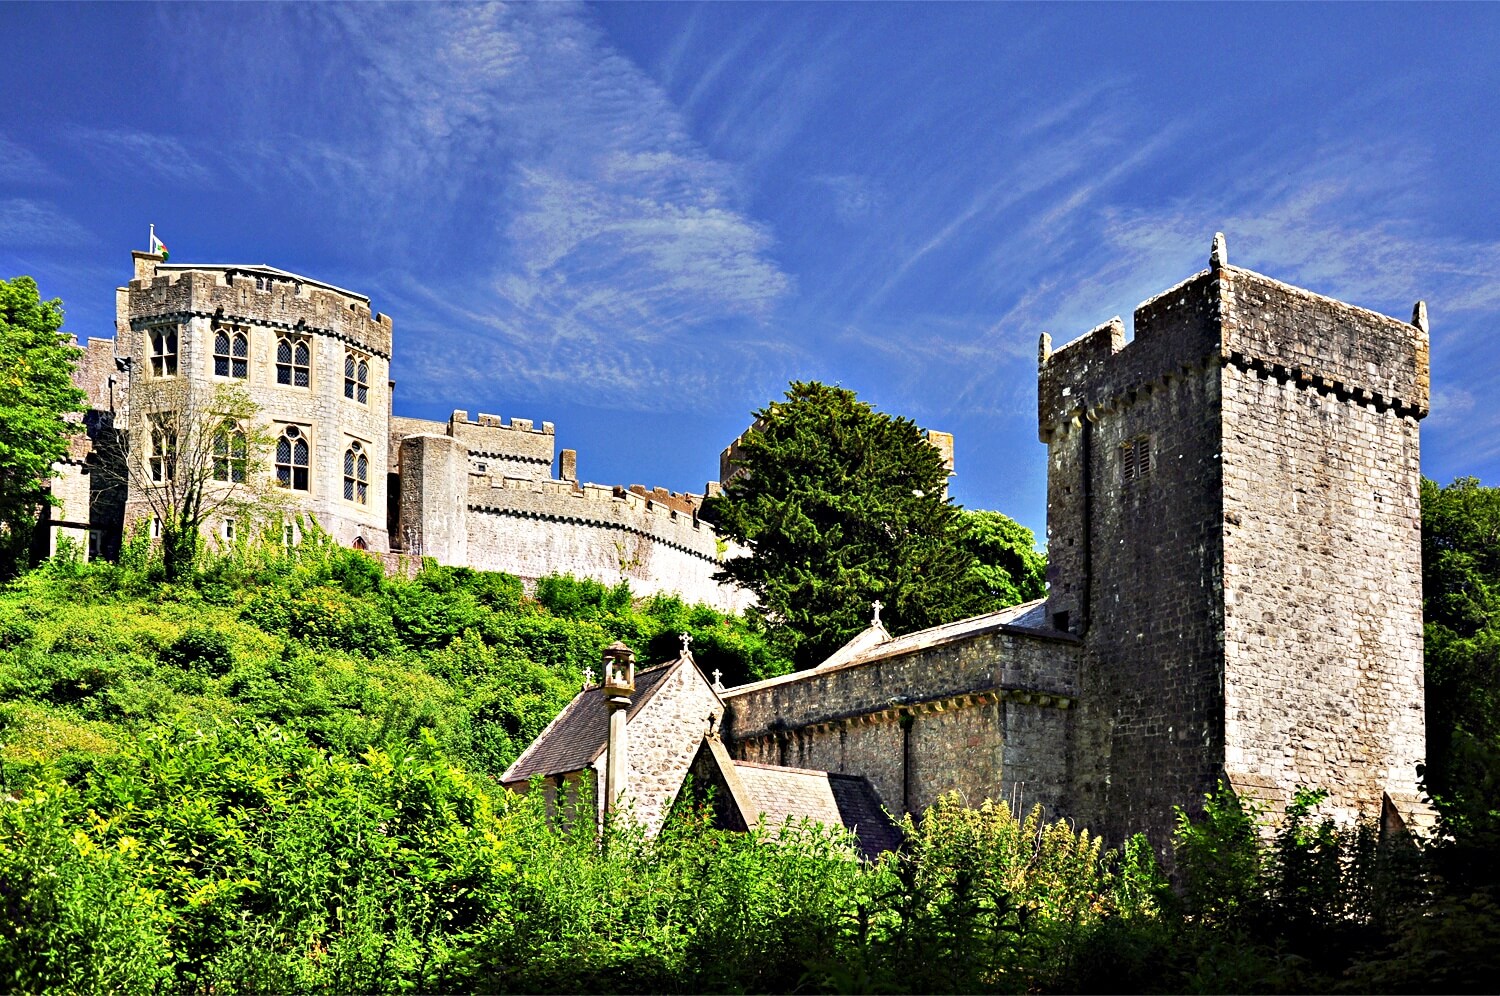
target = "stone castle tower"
x: 313, y: 357
x: 1234, y: 535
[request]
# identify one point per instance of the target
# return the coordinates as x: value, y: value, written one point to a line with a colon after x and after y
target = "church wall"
x: 974, y: 715
x: 663, y: 739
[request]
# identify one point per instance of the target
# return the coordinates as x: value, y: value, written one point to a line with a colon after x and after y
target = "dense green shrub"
x: 280, y: 777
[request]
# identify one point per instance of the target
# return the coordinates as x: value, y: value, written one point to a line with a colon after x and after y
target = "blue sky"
x: 640, y: 221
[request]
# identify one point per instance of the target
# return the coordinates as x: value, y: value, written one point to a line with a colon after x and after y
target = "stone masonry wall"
x: 984, y: 715
x: 198, y: 301
x: 535, y: 528
x: 1322, y: 538
x: 1134, y: 512
x: 663, y: 739
x: 1238, y: 552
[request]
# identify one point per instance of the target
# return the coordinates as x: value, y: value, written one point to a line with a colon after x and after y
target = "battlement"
x: 1229, y: 315
x: 250, y: 294
x: 672, y: 522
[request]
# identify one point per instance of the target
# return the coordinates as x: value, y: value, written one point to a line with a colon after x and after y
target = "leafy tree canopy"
x: 1461, y: 606
x: 1007, y: 567
x: 36, y: 391
x: 840, y: 505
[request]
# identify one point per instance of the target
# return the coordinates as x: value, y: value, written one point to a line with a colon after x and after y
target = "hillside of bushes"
x: 280, y: 776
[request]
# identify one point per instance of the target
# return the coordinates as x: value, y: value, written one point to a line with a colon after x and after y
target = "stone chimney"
x: 617, y: 687
x: 567, y: 466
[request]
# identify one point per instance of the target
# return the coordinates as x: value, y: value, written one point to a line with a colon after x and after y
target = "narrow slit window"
x: 1135, y: 460
x: 163, y: 459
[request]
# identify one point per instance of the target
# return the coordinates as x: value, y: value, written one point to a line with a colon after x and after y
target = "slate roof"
x: 575, y: 739
x: 827, y: 797
x: 1027, y: 619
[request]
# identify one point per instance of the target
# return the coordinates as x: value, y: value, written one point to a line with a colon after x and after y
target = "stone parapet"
x: 1014, y: 664
x: 255, y: 295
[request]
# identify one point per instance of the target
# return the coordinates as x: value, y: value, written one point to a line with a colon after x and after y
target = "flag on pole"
x: 158, y: 246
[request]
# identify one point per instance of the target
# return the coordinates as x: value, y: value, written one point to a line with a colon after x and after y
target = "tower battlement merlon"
x: 1320, y: 343
x: 254, y: 295
x: 1231, y: 315
x: 489, y: 436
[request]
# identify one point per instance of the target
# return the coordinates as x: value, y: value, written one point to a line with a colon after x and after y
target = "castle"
x: 1234, y: 594
x: 315, y: 360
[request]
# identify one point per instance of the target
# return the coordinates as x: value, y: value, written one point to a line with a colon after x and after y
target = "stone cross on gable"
x: 588, y: 677
x: 687, y: 641
x: 877, y: 605
x: 718, y: 680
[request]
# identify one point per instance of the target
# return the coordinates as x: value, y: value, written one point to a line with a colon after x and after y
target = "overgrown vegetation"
x: 279, y: 777
x: 36, y: 393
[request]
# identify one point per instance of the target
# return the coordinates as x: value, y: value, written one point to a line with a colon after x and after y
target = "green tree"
x: 1007, y: 567
x: 839, y: 505
x: 1461, y: 609
x: 36, y: 392
x: 191, y: 454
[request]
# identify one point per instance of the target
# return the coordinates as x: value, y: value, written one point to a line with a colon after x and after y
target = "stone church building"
x: 1234, y: 593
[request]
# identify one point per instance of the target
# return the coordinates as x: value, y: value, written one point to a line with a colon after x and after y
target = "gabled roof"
x: 575, y: 739
x: 1028, y: 618
x: 826, y: 797
x: 778, y: 794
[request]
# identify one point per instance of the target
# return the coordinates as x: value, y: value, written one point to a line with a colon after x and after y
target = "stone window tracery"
x: 356, y: 474
x: 231, y: 453
x: 293, y: 361
x: 356, y: 377
x: 164, y: 352
x: 163, y: 457
x: 292, y: 458
x: 231, y: 354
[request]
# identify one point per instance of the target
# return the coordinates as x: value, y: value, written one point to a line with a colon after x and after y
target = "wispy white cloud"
x: 568, y: 220
x: 855, y: 196
x: 32, y: 223
x: 20, y: 165
x: 127, y: 151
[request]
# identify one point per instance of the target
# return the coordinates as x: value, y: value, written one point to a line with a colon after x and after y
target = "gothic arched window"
x: 230, y: 454
x: 164, y: 352
x: 293, y: 361
x: 356, y: 474
x: 163, y: 448
x: 292, y: 458
x: 356, y: 377
x: 231, y: 354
